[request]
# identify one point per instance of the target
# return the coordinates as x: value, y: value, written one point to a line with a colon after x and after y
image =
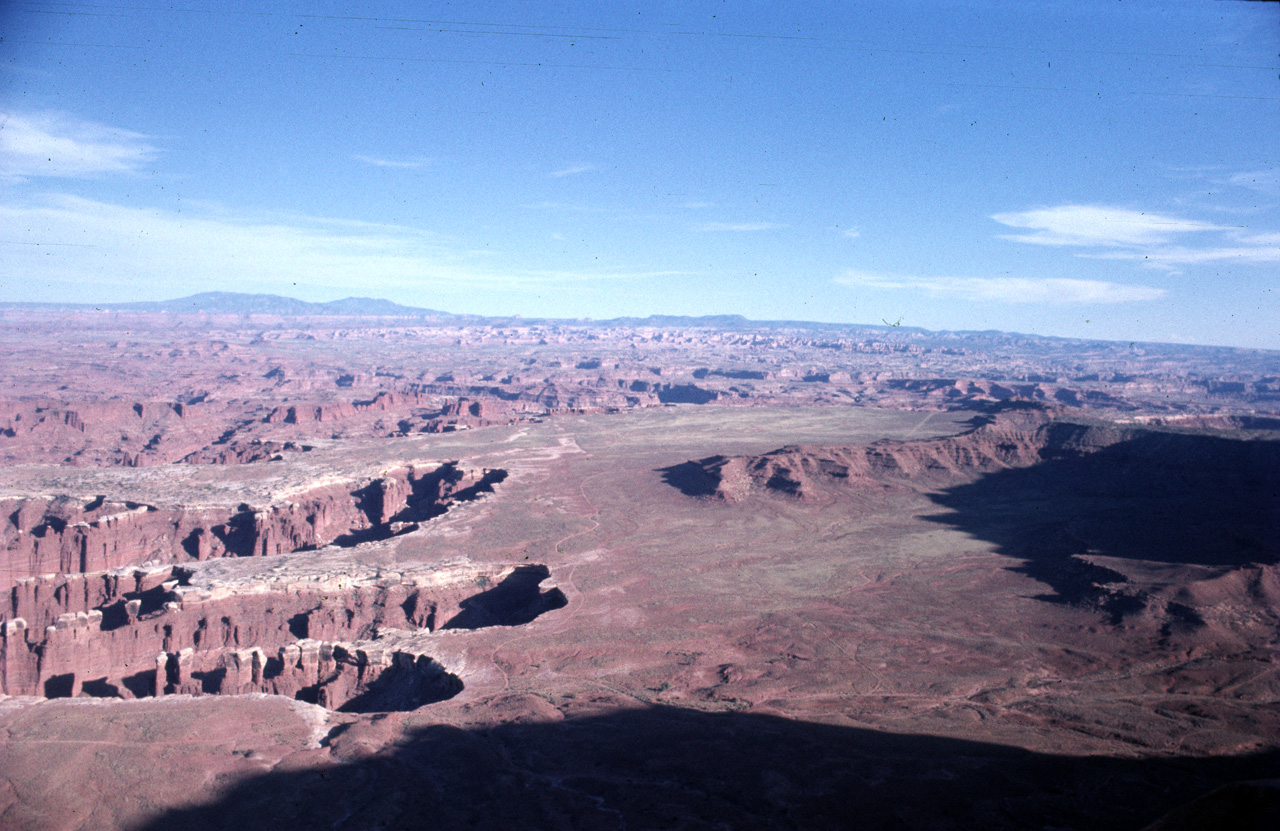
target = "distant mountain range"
x: 227, y: 302
x: 236, y: 303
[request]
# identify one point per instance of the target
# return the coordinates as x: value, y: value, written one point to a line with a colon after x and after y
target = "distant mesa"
x: 806, y: 472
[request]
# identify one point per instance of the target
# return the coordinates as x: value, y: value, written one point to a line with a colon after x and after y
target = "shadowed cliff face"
x: 698, y: 478
x: 1176, y: 498
x: 514, y: 601
x: 1205, y: 505
x: 669, y: 768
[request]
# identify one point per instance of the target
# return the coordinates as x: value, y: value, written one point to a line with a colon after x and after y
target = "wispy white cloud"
x: 405, y: 164
x: 1169, y: 257
x: 565, y: 206
x: 1260, y: 239
x: 851, y: 233
x: 1006, y: 289
x: 1215, y: 187
x: 1154, y: 240
x: 570, y: 276
x: 1189, y: 172
x: 58, y: 238
x: 739, y: 226
x: 59, y: 145
x: 1097, y: 225
x: 1267, y: 181
x: 573, y: 170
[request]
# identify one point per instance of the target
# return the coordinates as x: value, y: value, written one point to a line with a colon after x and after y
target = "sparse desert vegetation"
x: 628, y: 573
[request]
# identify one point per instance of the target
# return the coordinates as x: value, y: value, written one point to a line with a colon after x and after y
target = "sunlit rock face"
x: 139, y: 627
x: 65, y: 535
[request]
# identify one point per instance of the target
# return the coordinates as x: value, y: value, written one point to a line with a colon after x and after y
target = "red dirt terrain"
x: 371, y: 573
x: 139, y: 389
x: 1204, y: 507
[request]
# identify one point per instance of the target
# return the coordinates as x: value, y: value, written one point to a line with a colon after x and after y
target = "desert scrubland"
x: 416, y: 570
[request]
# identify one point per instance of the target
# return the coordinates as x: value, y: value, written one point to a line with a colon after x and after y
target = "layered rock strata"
x: 64, y: 535
x: 1139, y: 459
x: 242, y: 389
x: 110, y: 598
x: 319, y: 640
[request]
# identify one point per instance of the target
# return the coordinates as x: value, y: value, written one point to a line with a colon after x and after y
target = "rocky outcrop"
x: 1015, y: 440
x: 154, y: 632
x: 99, y: 599
x: 246, y: 452
x: 1141, y: 458
x: 66, y: 535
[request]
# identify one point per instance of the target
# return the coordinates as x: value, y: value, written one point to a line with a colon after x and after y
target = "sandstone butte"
x: 371, y: 572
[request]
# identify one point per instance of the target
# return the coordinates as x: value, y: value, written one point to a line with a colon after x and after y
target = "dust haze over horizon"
x: 1098, y: 170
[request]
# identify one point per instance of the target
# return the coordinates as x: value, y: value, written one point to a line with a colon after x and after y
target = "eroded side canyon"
x: 108, y: 598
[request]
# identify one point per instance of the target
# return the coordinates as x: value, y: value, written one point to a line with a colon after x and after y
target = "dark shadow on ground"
x: 403, y: 687
x: 430, y: 496
x: 1168, y: 498
x: 693, y: 478
x: 685, y: 394
x: 669, y: 768
x: 517, y: 600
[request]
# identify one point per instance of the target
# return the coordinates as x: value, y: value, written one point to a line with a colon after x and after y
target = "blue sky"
x: 1093, y: 169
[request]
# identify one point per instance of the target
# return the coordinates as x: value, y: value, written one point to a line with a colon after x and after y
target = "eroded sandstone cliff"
x: 63, y: 535
x: 108, y: 598
x: 322, y: 640
x: 1137, y: 459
